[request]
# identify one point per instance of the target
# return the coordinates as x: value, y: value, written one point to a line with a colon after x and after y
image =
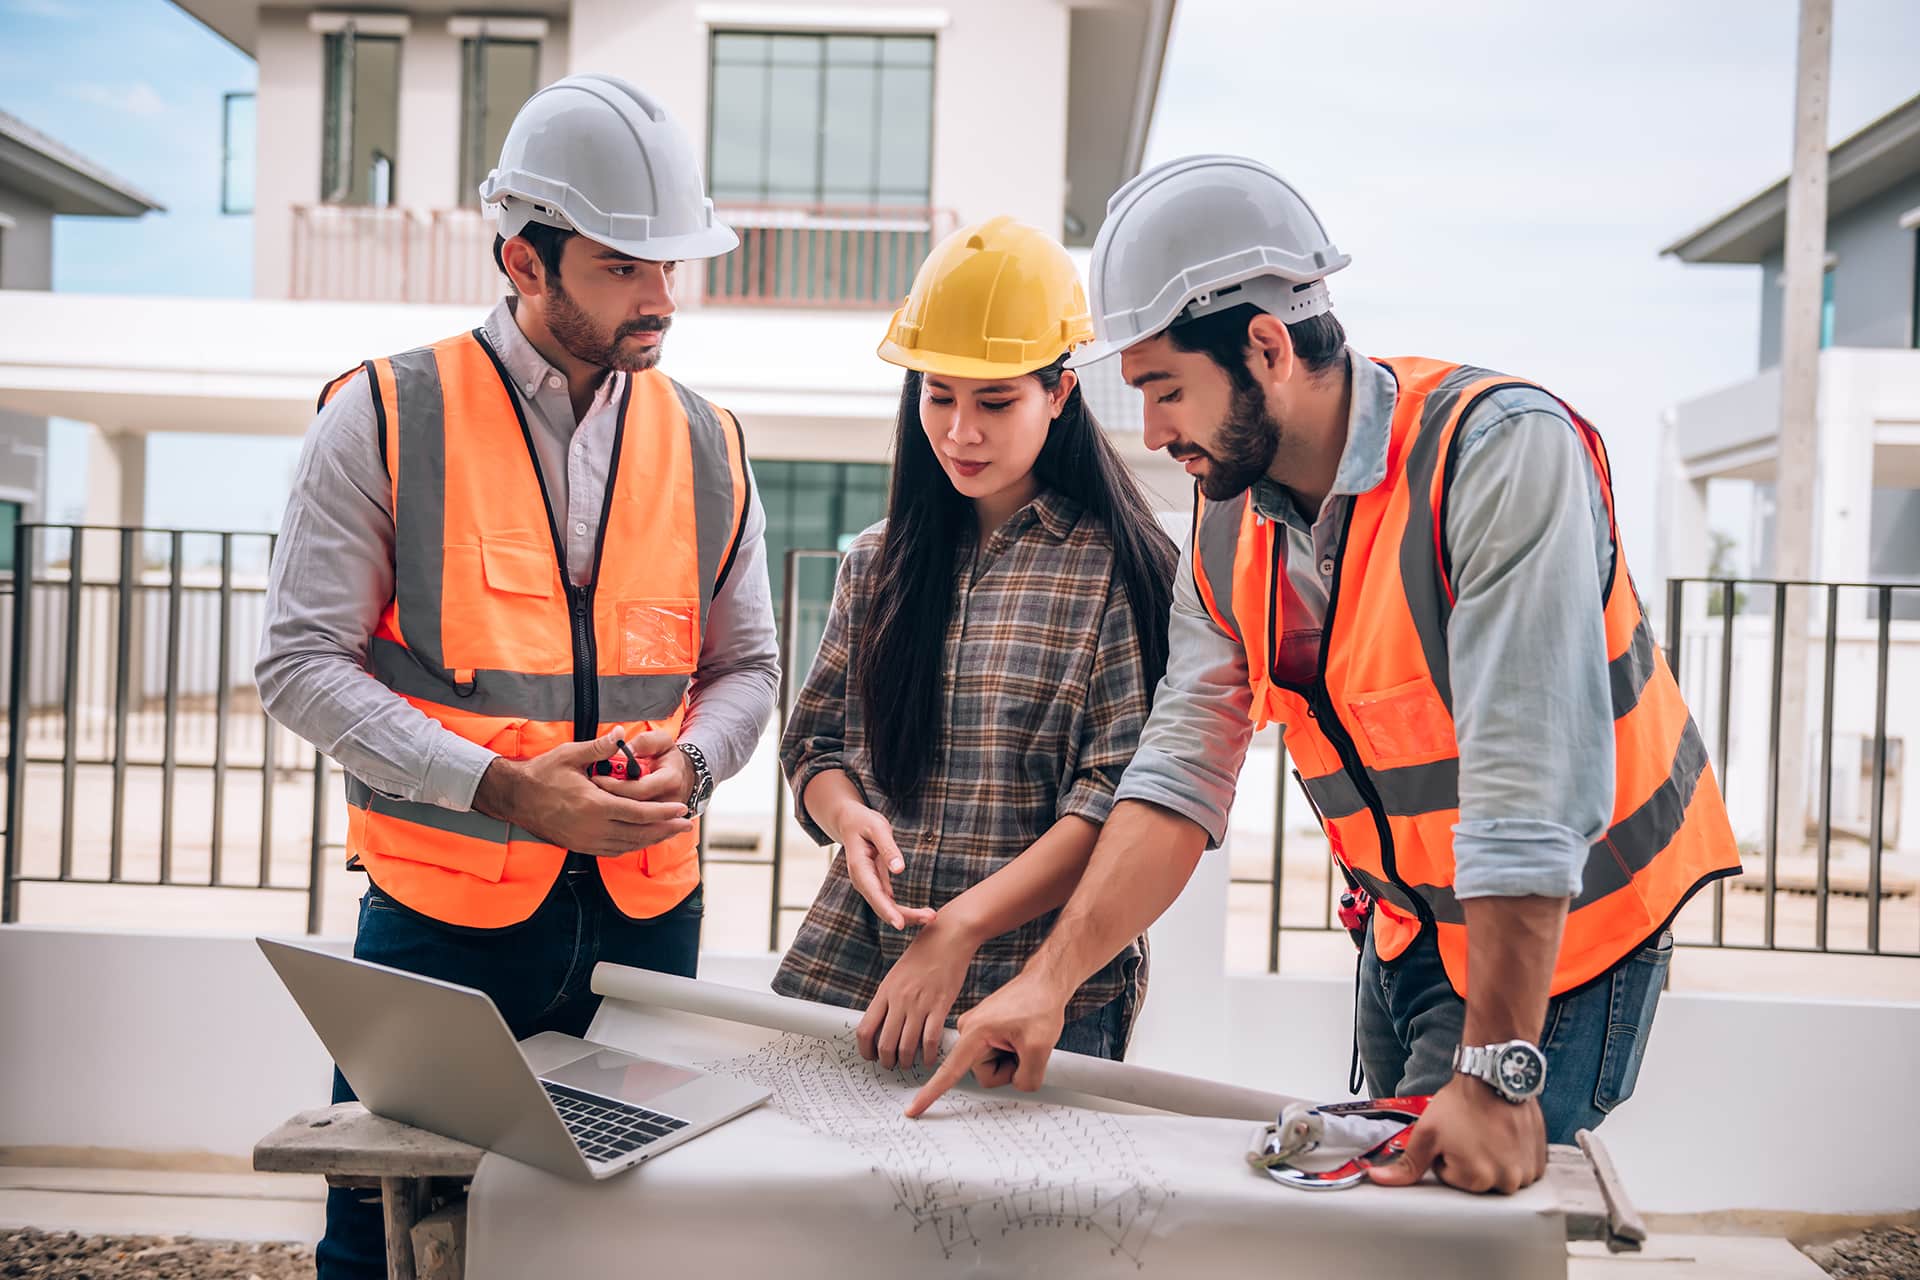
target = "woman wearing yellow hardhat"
x: 987, y: 665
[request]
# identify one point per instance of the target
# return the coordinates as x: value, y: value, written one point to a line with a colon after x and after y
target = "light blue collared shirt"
x: 1527, y: 651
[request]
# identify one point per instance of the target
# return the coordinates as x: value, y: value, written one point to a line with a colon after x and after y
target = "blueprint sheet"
x: 829, y: 1180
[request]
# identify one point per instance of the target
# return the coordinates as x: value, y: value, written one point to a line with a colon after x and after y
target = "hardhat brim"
x: 712, y: 242
x: 947, y: 366
x: 519, y: 207
x: 1096, y: 351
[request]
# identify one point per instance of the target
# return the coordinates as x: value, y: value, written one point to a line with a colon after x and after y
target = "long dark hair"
x: 900, y: 679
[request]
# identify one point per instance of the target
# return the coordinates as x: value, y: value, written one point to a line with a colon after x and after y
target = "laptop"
x: 439, y: 1057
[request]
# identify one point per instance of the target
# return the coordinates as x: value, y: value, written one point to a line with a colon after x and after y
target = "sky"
x: 1503, y: 174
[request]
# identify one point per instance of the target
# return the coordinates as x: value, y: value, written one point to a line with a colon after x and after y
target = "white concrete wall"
x: 1000, y: 85
x: 1869, y: 400
x: 176, y: 1044
x: 292, y: 97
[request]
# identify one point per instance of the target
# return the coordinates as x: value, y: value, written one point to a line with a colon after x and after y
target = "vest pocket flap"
x: 1407, y: 724
x: 659, y: 637
x: 469, y: 842
x: 517, y: 568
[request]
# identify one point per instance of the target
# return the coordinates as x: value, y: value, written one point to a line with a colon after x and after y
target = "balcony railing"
x: 823, y: 255
x: 351, y: 254
x: 789, y: 255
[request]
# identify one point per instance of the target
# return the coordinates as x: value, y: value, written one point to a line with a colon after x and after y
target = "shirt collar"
x: 522, y: 360
x: 1058, y: 514
x: 1363, y: 460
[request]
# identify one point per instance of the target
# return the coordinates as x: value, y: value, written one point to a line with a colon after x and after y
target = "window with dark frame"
x: 237, y: 149
x: 360, y: 138
x: 840, y: 119
x: 497, y: 77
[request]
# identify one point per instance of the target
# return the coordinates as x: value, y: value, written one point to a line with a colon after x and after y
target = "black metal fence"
x: 128, y: 668
x: 1730, y: 639
x: 131, y: 713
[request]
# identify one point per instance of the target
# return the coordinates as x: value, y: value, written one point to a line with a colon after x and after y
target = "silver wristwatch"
x: 702, y: 778
x: 1514, y: 1069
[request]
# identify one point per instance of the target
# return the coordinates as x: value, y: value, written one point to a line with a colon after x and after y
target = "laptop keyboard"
x: 608, y: 1130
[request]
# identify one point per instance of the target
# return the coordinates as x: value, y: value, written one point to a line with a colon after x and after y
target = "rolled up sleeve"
x: 332, y: 576
x: 1195, y: 739
x: 1528, y: 652
x: 816, y: 736
x: 1112, y: 717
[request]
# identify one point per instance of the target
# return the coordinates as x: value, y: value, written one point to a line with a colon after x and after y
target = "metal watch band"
x: 702, y: 778
x: 1482, y: 1063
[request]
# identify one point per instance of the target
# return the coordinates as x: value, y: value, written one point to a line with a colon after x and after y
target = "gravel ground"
x: 1884, y: 1253
x: 62, y: 1255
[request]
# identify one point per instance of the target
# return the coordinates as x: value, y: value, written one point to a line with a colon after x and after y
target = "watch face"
x: 1521, y: 1070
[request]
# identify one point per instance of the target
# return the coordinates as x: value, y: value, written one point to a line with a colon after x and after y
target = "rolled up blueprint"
x: 1077, y: 1073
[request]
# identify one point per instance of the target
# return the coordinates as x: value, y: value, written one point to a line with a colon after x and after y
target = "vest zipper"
x: 586, y: 662
x: 1320, y: 707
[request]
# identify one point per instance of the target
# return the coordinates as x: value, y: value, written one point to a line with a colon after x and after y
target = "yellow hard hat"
x: 993, y: 300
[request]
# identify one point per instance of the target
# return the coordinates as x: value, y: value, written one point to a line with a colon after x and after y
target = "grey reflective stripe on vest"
x: 1627, y: 675
x: 420, y: 511
x: 1421, y: 573
x: 1631, y: 844
x: 1439, y: 898
x: 418, y: 668
x: 474, y: 826
x: 1628, y: 848
x: 518, y: 695
x: 1216, y: 545
x: 712, y: 491
x: 1406, y: 792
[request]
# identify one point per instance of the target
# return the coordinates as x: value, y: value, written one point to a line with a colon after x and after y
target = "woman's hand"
x: 909, y: 1011
x: 873, y: 859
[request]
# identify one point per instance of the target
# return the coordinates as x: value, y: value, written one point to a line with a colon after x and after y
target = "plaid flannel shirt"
x: 1045, y: 699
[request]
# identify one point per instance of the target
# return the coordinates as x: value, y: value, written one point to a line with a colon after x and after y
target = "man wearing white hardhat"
x: 549, y: 558
x: 1412, y: 566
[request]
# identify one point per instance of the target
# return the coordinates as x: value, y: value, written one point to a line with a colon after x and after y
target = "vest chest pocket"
x: 518, y: 569
x: 1407, y: 724
x: 659, y: 637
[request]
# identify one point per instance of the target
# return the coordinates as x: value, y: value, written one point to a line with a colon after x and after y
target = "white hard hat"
x: 593, y: 154
x: 1201, y: 234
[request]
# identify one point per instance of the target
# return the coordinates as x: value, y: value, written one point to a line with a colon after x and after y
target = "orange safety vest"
x: 487, y: 634
x: 1373, y: 732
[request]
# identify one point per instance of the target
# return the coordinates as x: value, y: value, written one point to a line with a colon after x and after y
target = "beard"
x: 575, y: 330
x: 1244, y: 448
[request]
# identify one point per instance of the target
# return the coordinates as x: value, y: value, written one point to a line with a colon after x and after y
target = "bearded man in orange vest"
x: 1413, y: 566
x: 521, y: 596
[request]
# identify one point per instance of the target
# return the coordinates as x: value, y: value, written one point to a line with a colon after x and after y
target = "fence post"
x: 1676, y: 597
x: 1279, y: 853
x: 790, y: 605
x: 70, y: 698
x: 17, y: 723
x: 317, y: 844
x: 122, y: 687
x: 222, y: 707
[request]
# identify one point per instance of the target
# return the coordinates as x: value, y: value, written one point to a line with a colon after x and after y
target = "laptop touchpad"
x: 623, y: 1078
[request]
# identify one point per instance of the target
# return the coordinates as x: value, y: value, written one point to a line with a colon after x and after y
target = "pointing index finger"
x: 966, y: 1051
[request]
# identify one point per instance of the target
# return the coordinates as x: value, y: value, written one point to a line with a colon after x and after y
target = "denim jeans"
x: 536, y: 972
x: 1408, y: 1023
